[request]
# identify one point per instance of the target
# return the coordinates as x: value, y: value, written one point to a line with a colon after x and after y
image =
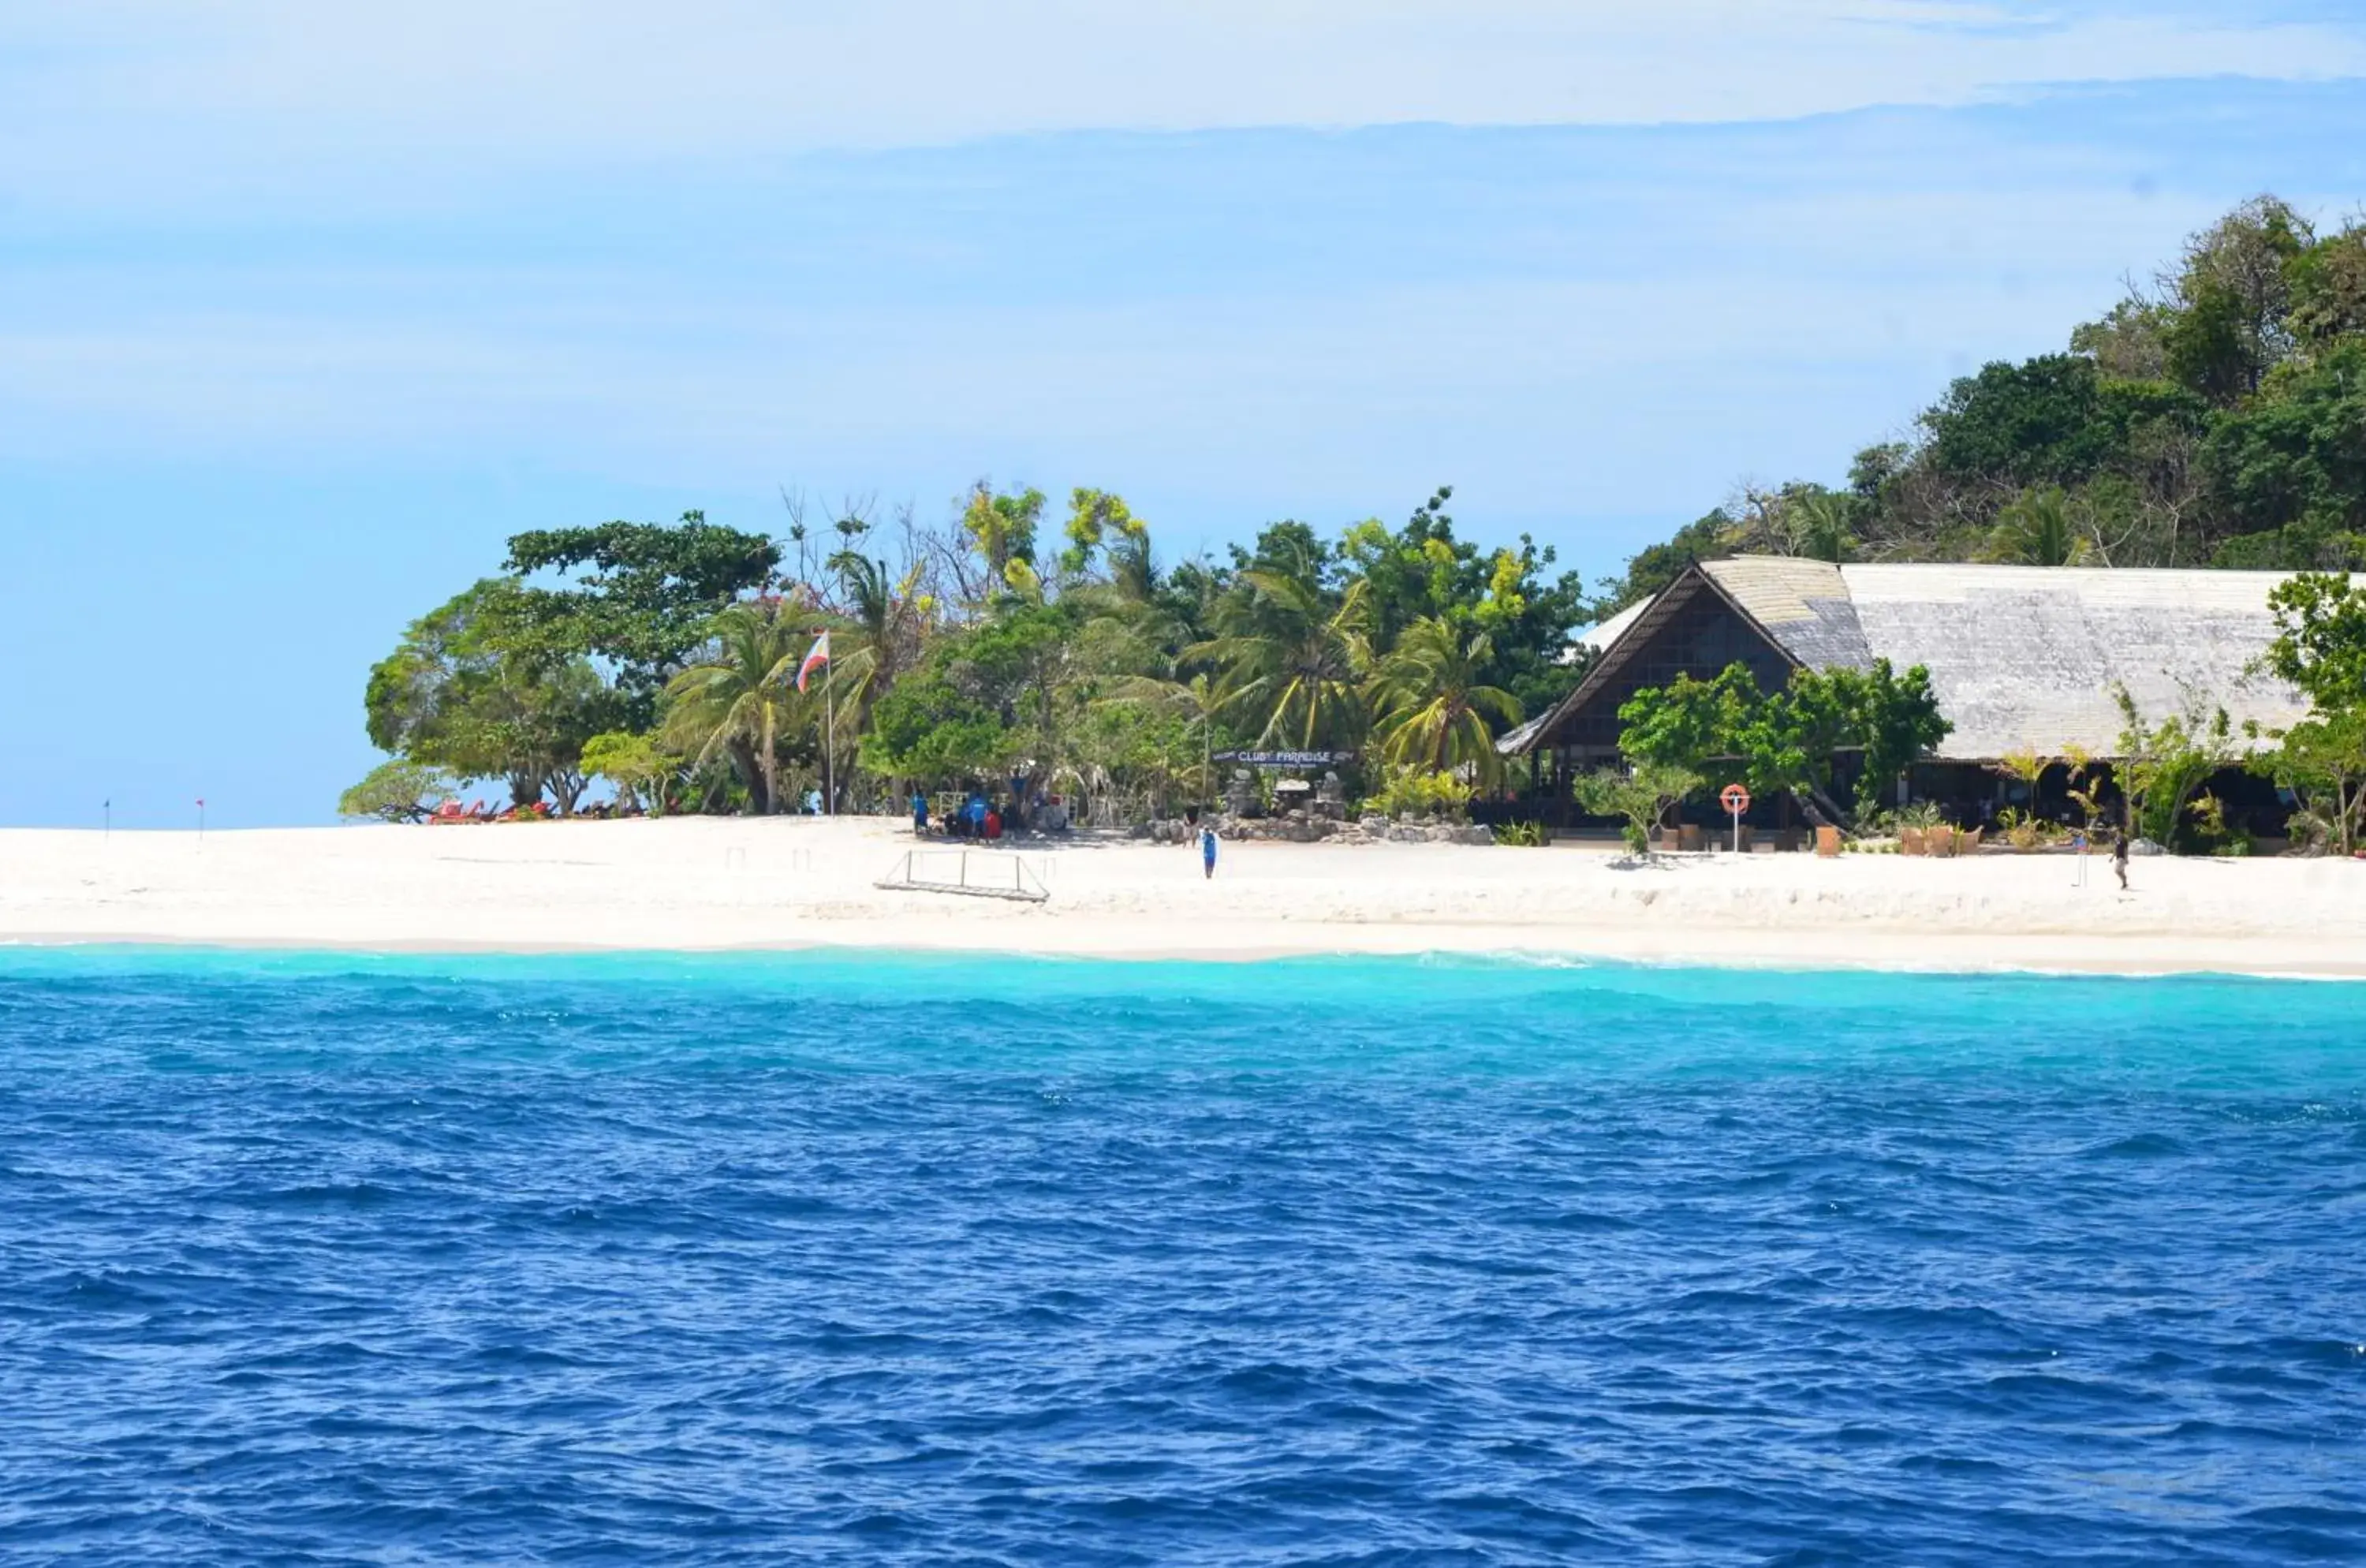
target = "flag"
x: 815, y: 657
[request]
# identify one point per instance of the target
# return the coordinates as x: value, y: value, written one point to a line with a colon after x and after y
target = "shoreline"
x: 2097, y: 967
x: 739, y: 885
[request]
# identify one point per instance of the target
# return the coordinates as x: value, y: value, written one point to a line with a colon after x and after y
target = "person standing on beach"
x: 1208, y: 850
x: 2120, y: 857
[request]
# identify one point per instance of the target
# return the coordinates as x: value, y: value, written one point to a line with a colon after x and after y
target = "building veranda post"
x: 2022, y: 660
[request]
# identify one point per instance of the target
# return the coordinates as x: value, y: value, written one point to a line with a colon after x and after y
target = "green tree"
x: 2328, y: 289
x: 2320, y: 647
x: 1291, y: 662
x: 740, y: 700
x: 1896, y: 723
x: 880, y: 634
x: 1098, y: 521
x: 1644, y: 797
x: 2128, y: 343
x: 1420, y: 573
x: 2037, y: 529
x: 396, y: 791
x: 643, y: 594
x: 1196, y: 704
x: 474, y: 689
x: 1789, y: 739
x: 2034, y: 423
x: 1435, y: 710
x: 1688, y: 724
x: 2232, y: 296
x: 2212, y: 421
x: 2288, y: 473
x: 637, y: 765
x: 931, y: 731
x: 2323, y: 762
x: 2320, y: 643
x: 2163, y: 766
x: 1001, y: 526
x: 1819, y: 523
x: 1021, y: 663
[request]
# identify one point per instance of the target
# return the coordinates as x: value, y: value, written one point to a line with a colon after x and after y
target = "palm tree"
x: 1818, y: 526
x: 2037, y: 530
x: 1294, y: 666
x: 1434, y: 703
x: 740, y: 701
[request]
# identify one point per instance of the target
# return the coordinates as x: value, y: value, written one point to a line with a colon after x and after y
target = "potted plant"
x: 1921, y: 829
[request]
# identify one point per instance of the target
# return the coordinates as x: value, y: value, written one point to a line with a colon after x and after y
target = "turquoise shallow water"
x: 312, y: 1258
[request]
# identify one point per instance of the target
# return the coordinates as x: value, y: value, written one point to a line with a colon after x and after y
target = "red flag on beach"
x: 815, y: 657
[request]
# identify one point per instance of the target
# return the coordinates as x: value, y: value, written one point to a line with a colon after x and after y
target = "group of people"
x: 975, y: 817
x: 979, y: 819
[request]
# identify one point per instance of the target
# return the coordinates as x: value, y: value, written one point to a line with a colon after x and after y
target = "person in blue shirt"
x: 919, y: 814
x: 1208, y: 850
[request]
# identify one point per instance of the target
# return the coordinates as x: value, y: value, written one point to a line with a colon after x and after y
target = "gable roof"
x: 1628, y: 631
x: 2020, y: 658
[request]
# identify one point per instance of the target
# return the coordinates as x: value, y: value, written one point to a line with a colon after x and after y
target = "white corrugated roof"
x: 2025, y: 658
x: 1611, y: 630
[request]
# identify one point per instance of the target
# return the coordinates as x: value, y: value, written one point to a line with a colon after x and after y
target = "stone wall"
x: 1300, y: 828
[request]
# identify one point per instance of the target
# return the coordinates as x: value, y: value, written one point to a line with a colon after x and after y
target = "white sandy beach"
x: 707, y: 884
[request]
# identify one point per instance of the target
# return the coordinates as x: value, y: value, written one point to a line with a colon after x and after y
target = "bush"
x: 639, y: 766
x: 1524, y: 835
x: 1642, y: 797
x: 2027, y: 831
x: 396, y: 791
x: 1414, y: 791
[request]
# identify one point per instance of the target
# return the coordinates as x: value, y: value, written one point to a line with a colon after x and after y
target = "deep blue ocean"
x: 876, y: 1259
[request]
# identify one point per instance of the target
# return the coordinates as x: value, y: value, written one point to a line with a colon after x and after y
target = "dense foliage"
x: 1009, y: 643
x: 2321, y: 650
x: 1789, y: 738
x: 2216, y: 418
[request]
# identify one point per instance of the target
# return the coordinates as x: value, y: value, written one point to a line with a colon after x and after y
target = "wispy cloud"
x: 148, y: 100
x: 1599, y: 320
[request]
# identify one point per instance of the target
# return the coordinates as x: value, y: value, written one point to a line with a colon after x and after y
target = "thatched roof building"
x: 2023, y: 659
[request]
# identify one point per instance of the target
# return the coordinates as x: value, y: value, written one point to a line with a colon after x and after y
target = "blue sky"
x: 301, y: 315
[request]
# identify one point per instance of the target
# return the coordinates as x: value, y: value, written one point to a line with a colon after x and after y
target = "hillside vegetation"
x: 2216, y: 418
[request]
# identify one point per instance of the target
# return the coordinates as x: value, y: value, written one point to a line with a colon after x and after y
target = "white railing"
x: 980, y: 874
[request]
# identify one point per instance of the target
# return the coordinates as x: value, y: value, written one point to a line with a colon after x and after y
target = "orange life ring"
x: 1735, y: 799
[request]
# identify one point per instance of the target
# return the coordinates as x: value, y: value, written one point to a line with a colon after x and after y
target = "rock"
x: 1476, y: 833
x: 1373, y: 825
x: 2145, y: 847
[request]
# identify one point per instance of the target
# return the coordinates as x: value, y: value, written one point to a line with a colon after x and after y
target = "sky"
x: 304, y: 312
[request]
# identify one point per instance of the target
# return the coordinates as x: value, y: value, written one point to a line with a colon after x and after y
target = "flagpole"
x: 830, y: 742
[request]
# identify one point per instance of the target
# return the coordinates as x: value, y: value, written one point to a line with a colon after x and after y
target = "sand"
x: 707, y: 884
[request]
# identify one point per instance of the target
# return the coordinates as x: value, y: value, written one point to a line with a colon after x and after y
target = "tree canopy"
x: 1009, y: 640
x: 2216, y: 417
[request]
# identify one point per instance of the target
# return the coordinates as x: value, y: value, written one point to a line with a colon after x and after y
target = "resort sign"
x: 1287, y: 759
